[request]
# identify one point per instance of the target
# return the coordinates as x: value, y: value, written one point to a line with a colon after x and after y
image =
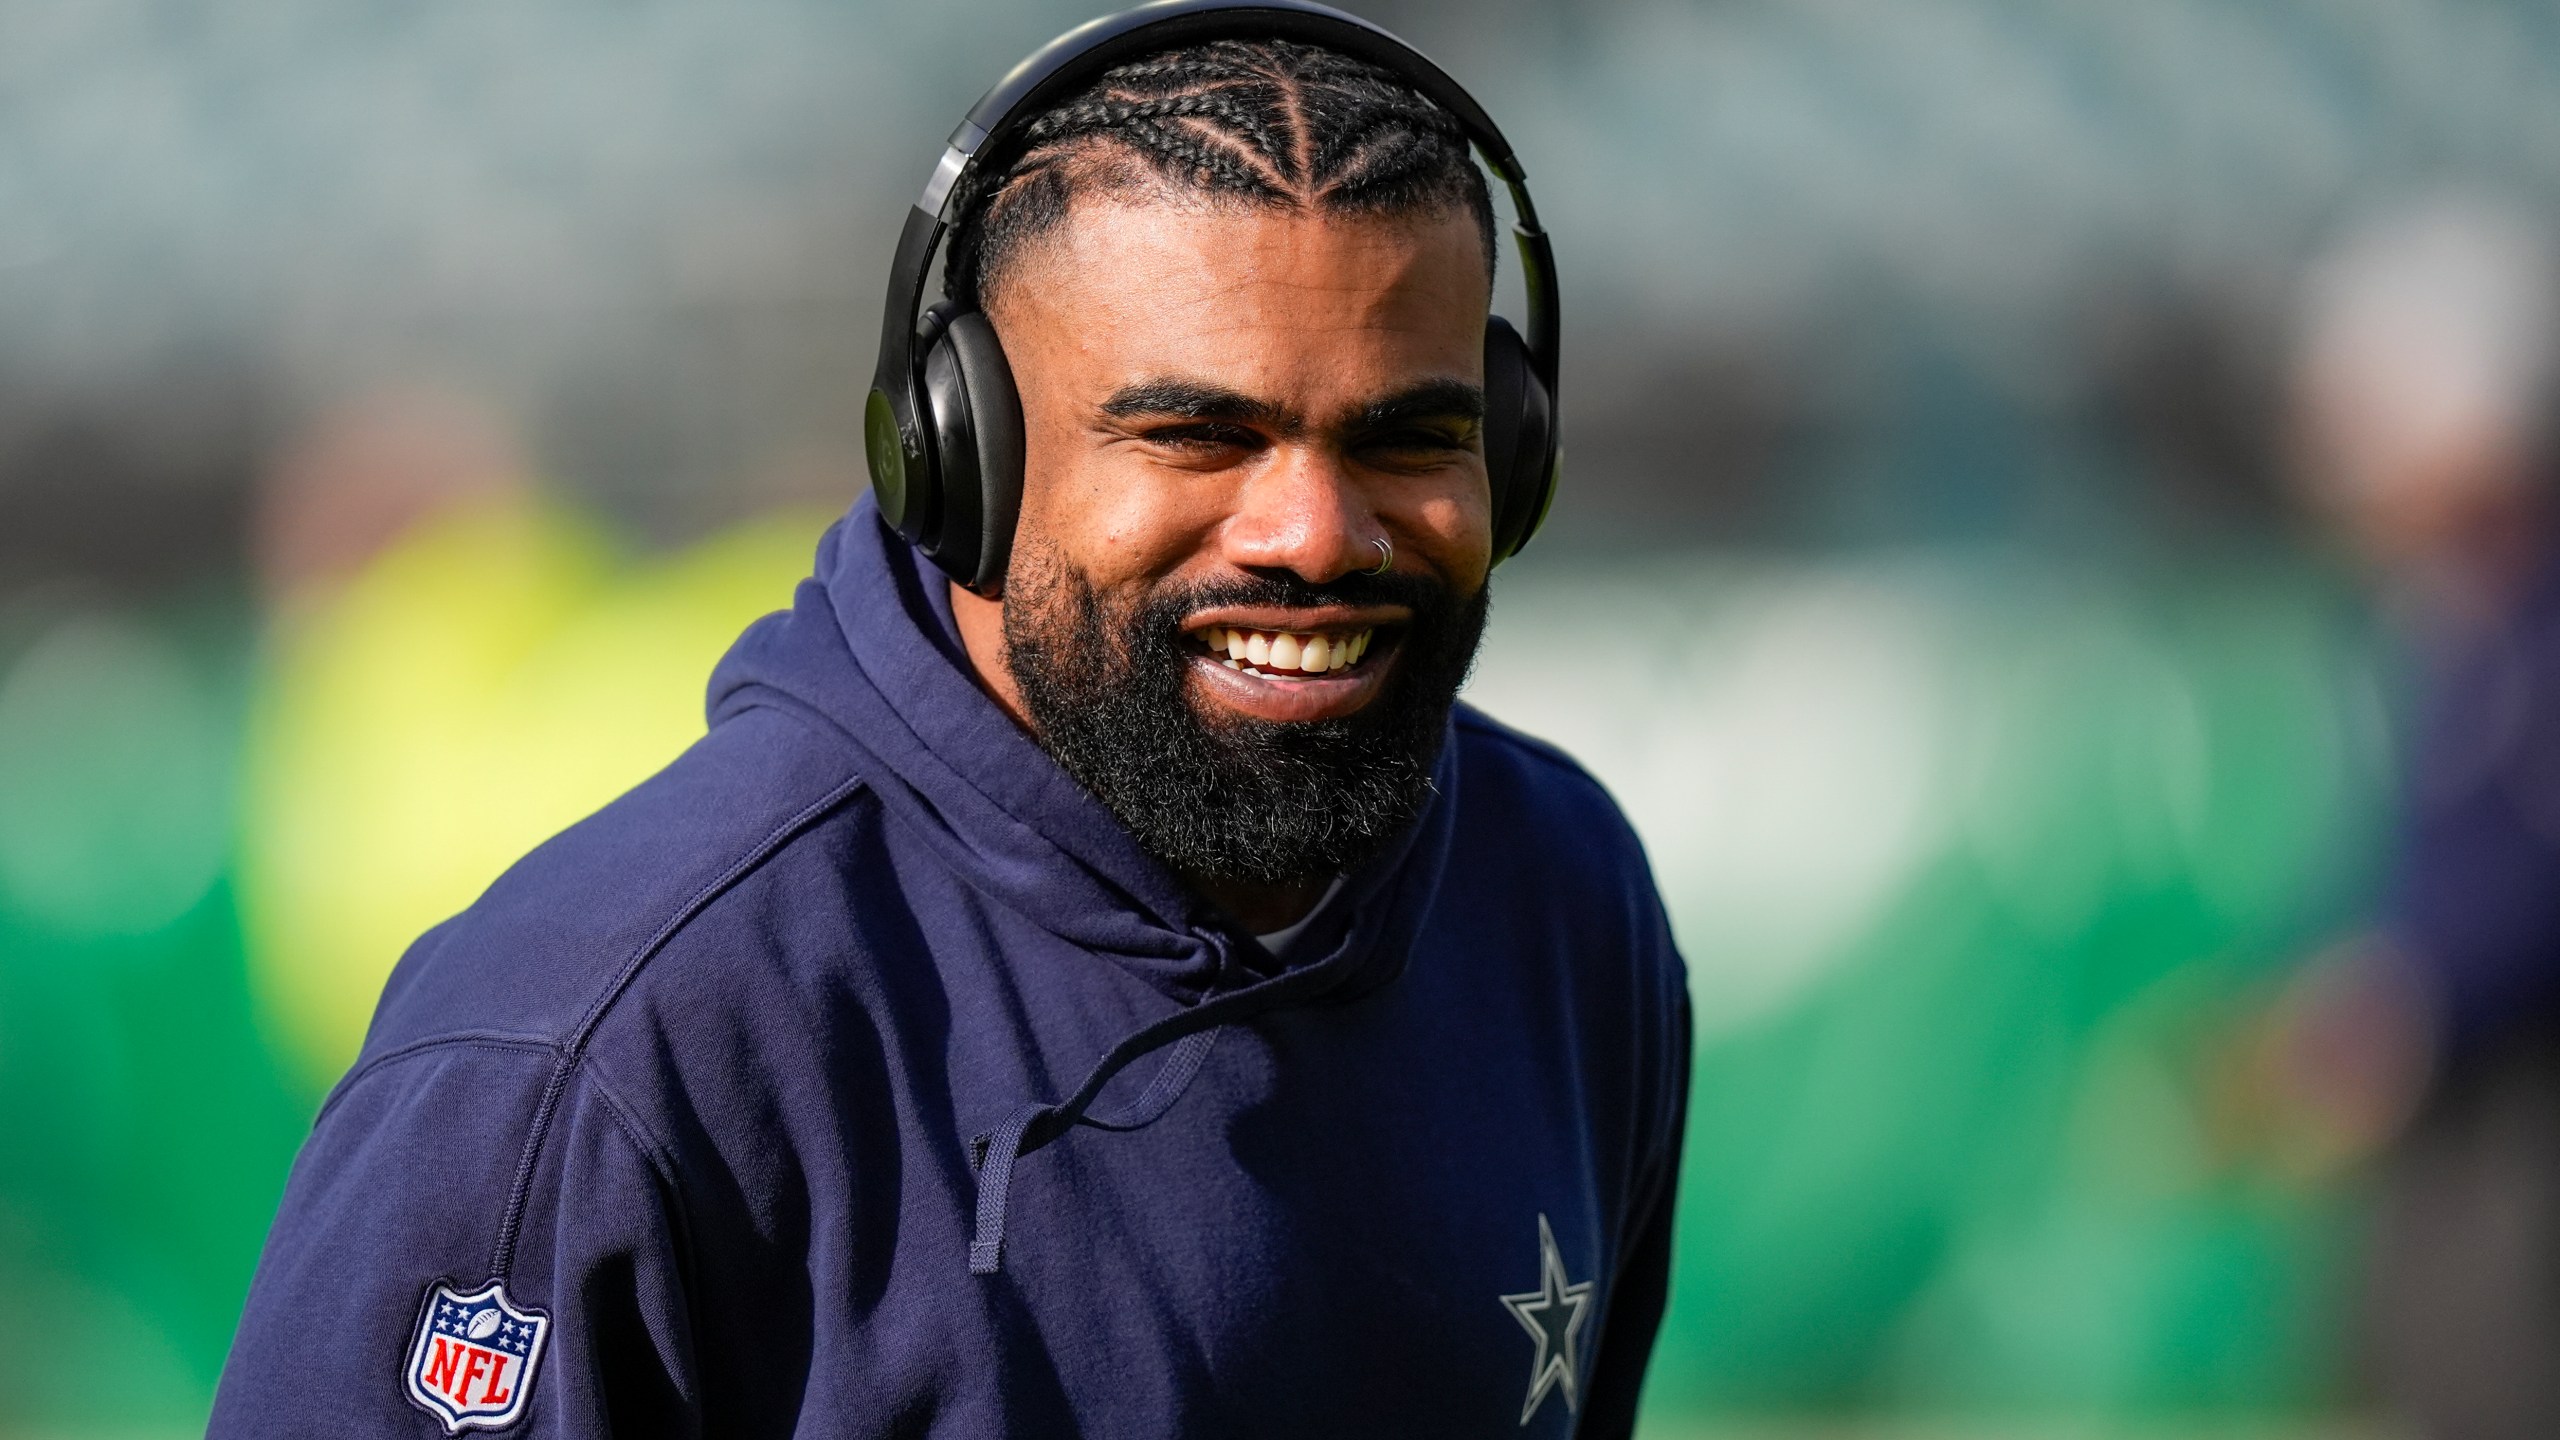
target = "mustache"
x: 1284, y: 590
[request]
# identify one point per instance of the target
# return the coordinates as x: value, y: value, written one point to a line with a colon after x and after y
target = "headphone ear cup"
x: 977, y: 423
x: 1519, y: 437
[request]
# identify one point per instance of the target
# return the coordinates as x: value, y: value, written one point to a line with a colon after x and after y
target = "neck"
x: 1261, y: 908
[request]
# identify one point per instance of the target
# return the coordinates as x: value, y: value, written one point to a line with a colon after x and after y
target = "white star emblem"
x: 1553, y: 1315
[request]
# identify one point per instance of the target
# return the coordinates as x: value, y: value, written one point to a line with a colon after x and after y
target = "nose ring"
x: 1386, y: 554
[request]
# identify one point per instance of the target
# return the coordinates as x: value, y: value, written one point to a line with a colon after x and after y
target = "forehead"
x: 1267, y: 298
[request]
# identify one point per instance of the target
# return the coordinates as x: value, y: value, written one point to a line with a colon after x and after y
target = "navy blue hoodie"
x: 858, y: 1075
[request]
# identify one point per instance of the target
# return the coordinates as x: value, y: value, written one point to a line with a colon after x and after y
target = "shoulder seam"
x: 458, y: 1040
x: 575, y: 1044
x: 763, y: 850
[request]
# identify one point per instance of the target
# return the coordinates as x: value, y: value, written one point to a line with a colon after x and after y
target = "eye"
x: 1203, y: 438
x: 1419, y: 446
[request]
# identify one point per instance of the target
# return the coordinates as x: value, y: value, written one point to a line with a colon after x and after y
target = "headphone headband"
x: 896, y: 437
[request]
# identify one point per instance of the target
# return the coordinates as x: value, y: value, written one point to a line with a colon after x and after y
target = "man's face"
x: 1226, y: 408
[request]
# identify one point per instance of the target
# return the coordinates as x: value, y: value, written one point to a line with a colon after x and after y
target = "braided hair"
x: 1265, y: 122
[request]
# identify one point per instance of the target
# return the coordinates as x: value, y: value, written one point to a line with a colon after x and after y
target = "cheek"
x: 1454, y: 525
x: 1113, y: 516
x: 1146, y: 525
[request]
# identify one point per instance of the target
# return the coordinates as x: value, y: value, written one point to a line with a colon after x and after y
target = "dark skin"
x: 1284, y: 389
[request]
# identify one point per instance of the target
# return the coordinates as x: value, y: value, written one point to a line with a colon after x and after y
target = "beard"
x: 1209, y: 793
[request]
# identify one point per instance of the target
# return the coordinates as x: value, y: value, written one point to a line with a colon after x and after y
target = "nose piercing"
x: 1386, y: 554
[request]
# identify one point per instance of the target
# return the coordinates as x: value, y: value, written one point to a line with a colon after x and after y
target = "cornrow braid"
x: 1265, y: 122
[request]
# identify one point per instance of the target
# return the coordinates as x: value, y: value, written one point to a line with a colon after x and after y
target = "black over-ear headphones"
x: 943, y: 427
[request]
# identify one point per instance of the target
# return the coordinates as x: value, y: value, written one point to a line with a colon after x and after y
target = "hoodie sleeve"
x: 473, y: 1239
x: 1643, y: 1286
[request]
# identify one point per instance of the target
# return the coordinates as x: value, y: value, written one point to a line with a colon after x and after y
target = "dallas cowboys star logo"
x: 1553, y: 1315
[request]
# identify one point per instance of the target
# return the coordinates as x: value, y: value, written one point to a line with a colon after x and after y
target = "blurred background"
x: 2052, y: 558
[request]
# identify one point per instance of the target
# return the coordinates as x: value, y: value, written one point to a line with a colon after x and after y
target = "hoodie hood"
x: 864, y: 654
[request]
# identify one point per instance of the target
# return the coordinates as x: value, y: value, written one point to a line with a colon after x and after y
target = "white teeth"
x: 1284, y: 653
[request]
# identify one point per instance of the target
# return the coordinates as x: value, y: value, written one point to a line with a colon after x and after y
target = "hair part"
x: 1257, y: 122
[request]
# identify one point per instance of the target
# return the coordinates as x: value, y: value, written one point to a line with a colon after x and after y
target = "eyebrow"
x: 1199, y: 400
x: 1196, y: 400
x: 1430, y: 400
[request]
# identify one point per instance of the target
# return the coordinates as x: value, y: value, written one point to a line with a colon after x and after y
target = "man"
x: 1131, y: 1001
x: 2426, y: 375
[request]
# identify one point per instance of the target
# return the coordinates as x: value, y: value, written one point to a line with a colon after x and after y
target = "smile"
x: 1287, y: 654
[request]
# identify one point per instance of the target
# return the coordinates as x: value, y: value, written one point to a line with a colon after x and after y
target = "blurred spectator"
x: 462, y: 665
x: 2424, y: 390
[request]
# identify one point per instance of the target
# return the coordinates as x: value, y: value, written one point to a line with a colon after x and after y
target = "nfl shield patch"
x: 472, y: 1363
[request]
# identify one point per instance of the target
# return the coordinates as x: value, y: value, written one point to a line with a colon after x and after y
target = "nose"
x: 1306, y: 513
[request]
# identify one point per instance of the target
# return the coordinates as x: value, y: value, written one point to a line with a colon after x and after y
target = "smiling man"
x: 1093, y: 978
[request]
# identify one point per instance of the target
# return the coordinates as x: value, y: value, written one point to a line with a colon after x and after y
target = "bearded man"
x: 1116, y: 991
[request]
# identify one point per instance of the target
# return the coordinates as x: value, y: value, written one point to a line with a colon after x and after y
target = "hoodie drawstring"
x: 1012, y: 1140
x: 1190, y: 1032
